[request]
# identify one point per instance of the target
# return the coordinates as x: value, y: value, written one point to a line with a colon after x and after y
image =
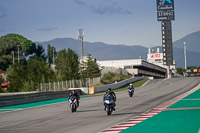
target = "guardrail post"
x: 41, y: 87
x: 73, y: 83
x: 62, y: 86
x: 54, y: 86
x: 67, y: 85
x: 70, y: 84
x: 58, y: 86
x: 49, y: 86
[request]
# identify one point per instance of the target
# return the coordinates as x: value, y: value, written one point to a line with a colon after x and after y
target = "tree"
x: 10, y: 44
x: 72, y: 64
x: 92, y: 68
x: 1, y: 81
x: 39, y: 53
x: 5, y: 61
x: 192, y: 67
x: 16, y: 74
x: 38, y: 72
x: 180, y: 70
x: 67, y: 65
x: 29, y: 76
x: 1, y: 78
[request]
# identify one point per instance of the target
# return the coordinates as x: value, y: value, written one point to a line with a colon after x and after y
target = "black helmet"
x: 73, y: 91
x: 109, y: 89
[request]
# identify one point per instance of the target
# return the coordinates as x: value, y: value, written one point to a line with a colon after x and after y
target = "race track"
x: 90, y: 117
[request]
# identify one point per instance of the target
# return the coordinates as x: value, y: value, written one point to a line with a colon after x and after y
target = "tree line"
x: 26, y: 64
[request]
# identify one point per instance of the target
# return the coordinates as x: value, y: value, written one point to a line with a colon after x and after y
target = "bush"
x: 111, y: 77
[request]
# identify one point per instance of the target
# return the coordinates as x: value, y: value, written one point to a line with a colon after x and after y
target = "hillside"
x: 99, y: 50
x: 103, y: 51
x: 192, y: 42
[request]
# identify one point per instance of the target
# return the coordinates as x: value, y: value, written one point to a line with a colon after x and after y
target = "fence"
x: 64, y: 85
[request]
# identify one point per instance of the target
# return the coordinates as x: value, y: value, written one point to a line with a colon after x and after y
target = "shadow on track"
x: 128, y: 113
x: 91, y: 110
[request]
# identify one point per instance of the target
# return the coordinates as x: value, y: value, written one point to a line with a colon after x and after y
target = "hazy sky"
x: 130, y: 22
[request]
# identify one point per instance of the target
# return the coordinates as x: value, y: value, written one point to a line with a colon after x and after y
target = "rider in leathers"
x: 74, y: 93
x: 131, y: 87
x: 110, y: 92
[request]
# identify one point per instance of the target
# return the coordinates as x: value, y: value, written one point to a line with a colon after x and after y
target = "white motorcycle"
x: 73, y: 103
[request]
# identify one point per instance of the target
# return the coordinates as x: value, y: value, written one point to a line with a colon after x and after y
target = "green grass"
x: 34, y: 104
x: 123, y: 88
x: 178, y: 121
x: 135, y: 84
x: 99, y: 84
x: 173, y: 121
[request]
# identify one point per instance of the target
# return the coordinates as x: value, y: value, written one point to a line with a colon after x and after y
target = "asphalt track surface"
x: 90, y: 117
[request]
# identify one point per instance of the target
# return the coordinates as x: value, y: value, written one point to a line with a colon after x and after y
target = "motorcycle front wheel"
x: 73, y: 108
x: 108, y: 110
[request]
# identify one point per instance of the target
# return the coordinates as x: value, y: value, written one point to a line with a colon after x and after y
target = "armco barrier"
x: 117, y: 85
x: 8, y: 100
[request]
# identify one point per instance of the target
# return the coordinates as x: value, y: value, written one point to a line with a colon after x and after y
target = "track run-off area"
x: 180, y: 117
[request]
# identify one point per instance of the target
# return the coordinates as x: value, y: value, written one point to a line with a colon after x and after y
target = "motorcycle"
x: 109, y: 104
x: 73, y: 103
x: 130, y: 92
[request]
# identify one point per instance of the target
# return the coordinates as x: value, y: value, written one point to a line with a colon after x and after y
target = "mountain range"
x: 103, y: 51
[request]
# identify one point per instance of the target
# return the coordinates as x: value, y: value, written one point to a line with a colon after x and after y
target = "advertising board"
x: 165, y: 15
x: 165, y: 5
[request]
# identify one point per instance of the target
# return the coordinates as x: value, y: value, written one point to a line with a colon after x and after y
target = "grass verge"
x: 123, y: 88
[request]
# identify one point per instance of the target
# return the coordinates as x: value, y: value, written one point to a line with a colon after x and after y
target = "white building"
x: 156, y: 58
x: 137, y: 67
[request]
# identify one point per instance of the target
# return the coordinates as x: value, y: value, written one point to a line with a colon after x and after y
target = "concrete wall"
x: 117, y: 85
x: 8, y: 100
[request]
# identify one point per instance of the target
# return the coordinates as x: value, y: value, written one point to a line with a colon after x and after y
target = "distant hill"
x: 99, y: 50
x: 192, y: 57
x: 192, y: 42
x: 103, y: 51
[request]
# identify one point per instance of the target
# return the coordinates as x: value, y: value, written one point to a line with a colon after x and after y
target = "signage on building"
x: 156, y: 55
x: 194, y: 70
x: 199, y: 70
x: 165, y: 5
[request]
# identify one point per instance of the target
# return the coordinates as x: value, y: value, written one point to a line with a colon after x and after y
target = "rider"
x: 131, y: 87
x: 74, y: 93
x: 110, y: 92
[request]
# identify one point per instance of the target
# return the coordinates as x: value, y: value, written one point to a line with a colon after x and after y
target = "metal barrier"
x: 8, y: 100
x: 118, y: 84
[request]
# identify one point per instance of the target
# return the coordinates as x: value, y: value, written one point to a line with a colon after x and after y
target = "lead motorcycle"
x: 109, y: 104
x: 73, y: 103
x: 130, y: 92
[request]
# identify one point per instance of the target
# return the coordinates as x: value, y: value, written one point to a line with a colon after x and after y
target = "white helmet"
x: 131, y: 84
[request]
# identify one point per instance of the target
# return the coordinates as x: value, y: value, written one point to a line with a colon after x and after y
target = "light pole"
x: 18, y: 53
x: 80, y: 37
x: 53, y: 57
x: 13, y: 54
x: 185, y: 55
